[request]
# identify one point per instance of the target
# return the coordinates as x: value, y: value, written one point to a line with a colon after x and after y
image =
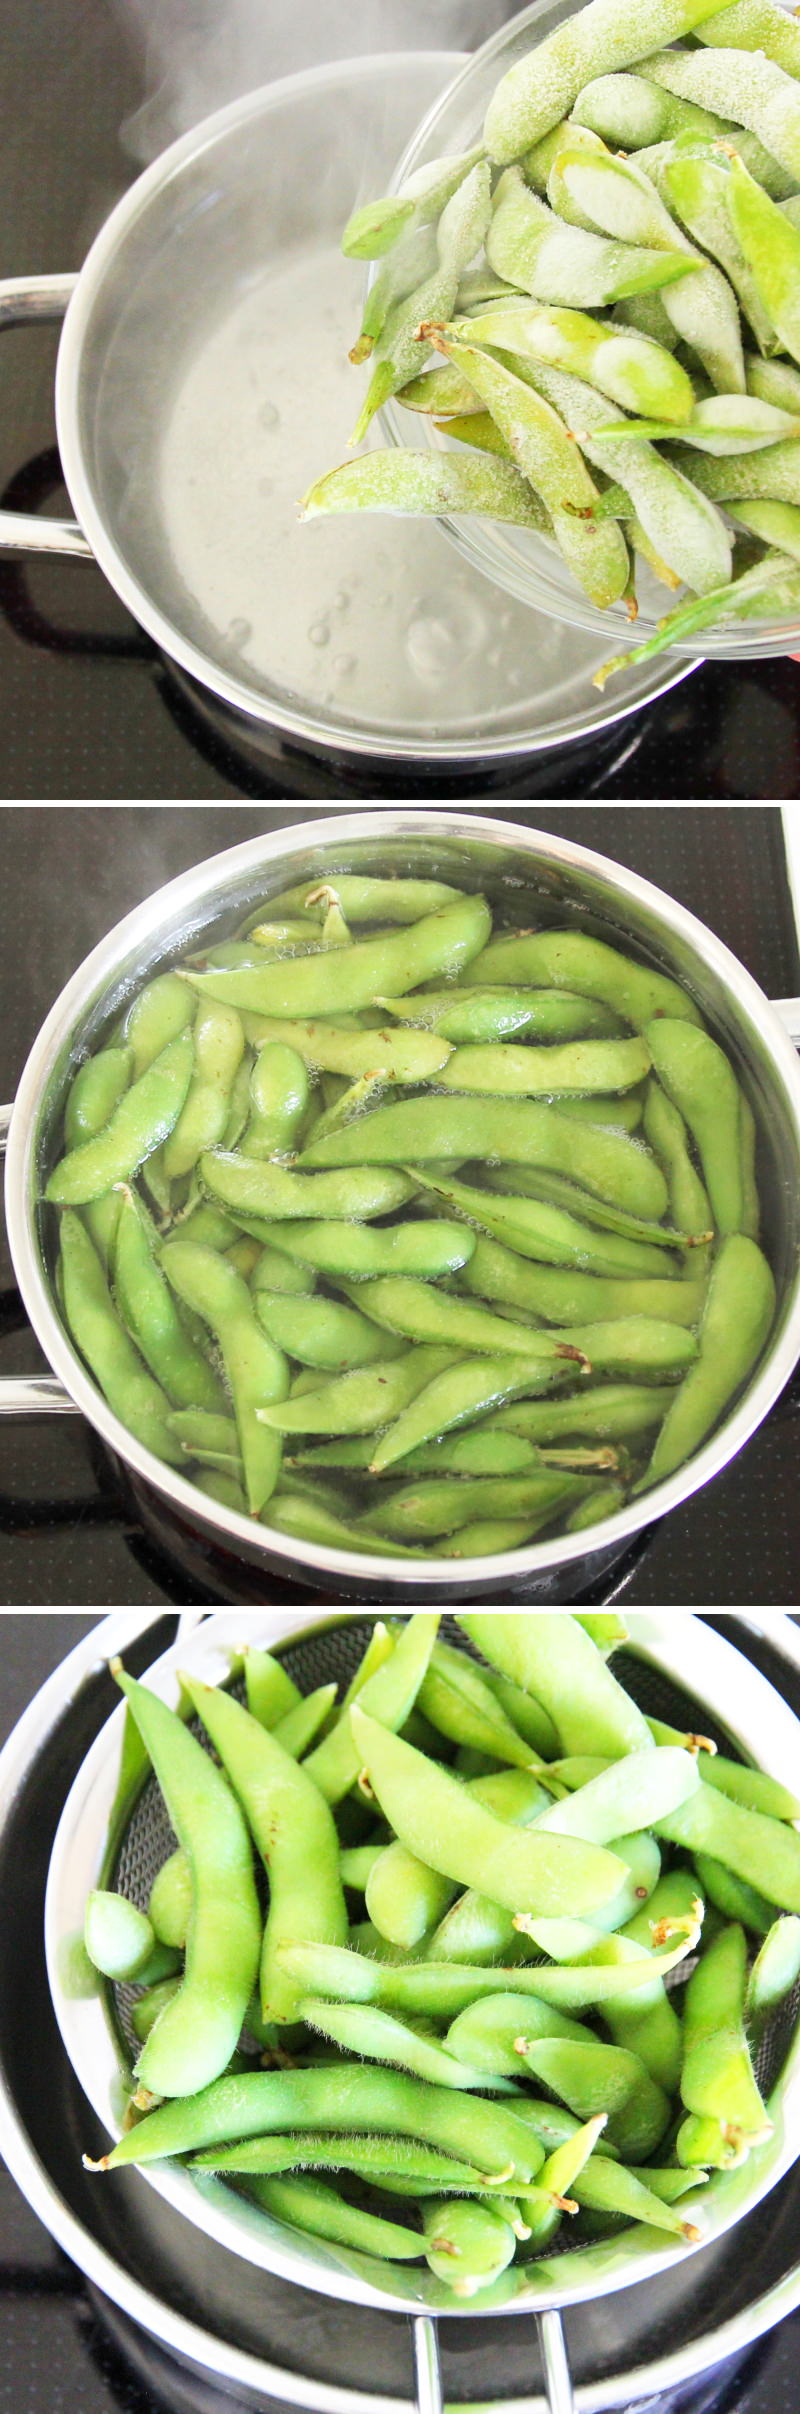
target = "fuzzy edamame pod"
x: 774, y: 1973
x: 692, y: 540
x: 158, y: 1015
x: 404, y: 1897
x: 389, y: 1693
x: 308, y: 2205
x: 438, y: 1989
x: 738, y: 1313
x: 632, y: 114
x: 770, y: 246
x: 717, y: 2079
x: 459, y: 235
x: 607, y: 35
x: 380, y: 2037
x: 143, y: 1118
x: 170, y: 1906
x: 595, y: 2078
x: 119, y: 1938
x: 294, y: 1832
x: 617, y: 194
x: 199, y: 2029
x: 608, y: 2187
x: 553, y: 1658
x: 485, y: 2134
x: 763, y: 1851
x: 359, y: 1402
x: 430, y: 1813
x: 255, y: 1369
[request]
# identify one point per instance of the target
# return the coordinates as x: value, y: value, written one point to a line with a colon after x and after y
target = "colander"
x: 727, y: 1699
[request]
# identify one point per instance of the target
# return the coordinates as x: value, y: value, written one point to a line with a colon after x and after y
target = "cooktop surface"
x: 90, y: 707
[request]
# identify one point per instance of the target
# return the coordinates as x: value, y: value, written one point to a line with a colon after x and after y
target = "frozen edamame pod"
x: 601, y: 38
x: 616, y: 194
x: 571, y: 267
x: 638, y: 374
x: 295, y: 1835
x: 631, y: 113
x: 691, y: 539
x: 419, y: 483
x: 750, y: 89
x: 696, y: 188
x: 725, y: 423
x: 459, y: 235
x: 755, y: 25
x: 771, y: 588
x: 199, y: 2029
x: 770, y: 245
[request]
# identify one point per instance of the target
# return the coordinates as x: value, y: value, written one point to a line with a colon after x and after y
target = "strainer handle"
x: 558, y: 2388
x: 789, y: 1010
x: 427, y: 2365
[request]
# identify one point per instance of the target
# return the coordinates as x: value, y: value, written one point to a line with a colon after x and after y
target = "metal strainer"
x: 728, y: 1700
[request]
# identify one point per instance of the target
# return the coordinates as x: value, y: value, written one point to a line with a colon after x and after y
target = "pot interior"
x: 204, y: 385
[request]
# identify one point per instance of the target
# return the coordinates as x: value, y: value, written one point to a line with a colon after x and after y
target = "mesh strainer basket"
x: 678, y: 1669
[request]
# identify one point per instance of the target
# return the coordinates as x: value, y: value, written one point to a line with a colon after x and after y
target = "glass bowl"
x: 522, y: 564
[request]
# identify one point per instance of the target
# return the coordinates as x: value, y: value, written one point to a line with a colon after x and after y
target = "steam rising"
x: 198, y: 54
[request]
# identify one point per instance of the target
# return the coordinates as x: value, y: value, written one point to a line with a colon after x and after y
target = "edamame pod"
x: 143, y: 1118
x: 295, y: 1835
x: 199, y: 2029
x: 256, y: 1190
x: 350, y: 977
x: 738, y: 1314
x: 255, y: 1369
x: 484, y: 2134
x: 562, y: 1296
x: 520, y: 1131
x: 553, y: 1658
x: 131, y: 1391
x: 606, y: 35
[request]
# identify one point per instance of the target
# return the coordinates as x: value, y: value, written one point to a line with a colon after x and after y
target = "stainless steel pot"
x: 528, y: 874
x: 203, y: 384
x: 209, y: 2329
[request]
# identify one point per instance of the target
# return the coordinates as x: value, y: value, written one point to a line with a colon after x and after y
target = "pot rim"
x: 210, y: 674
x: 177, y: 2331
x: 177, y: 897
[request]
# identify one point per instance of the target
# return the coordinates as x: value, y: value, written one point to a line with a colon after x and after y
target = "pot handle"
x: 31, y: 1395
x: 22, y: 301
x: 789, y: 1010
x: 427, y: 2365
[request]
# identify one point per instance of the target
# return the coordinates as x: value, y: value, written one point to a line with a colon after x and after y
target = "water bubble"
x: 443, y: 632
x: 344, y: 663
x: 269, y: 416
x: 238, y: 632
x: 320, y: 632
x: 341, y: 600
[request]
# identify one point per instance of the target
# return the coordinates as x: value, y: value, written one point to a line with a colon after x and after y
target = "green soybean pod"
x: 774, y: 1973
x: 255, y: 1369
x: 405, y: 1898
x: 160, y: 1013
x: 96, y: 1090
x: 170, y: 1906
x: 546, y: 1233
x: 609, y: 1412
x: 430, y: 1813
x: 607, y: 2187
x: 763, y: 1851
x: 524, y: 1131
x: 126, y: 1383
x: 279, y: 1094
x: 717, y: 2077
x: 350, y: 977
x: 389, y: 1692
x: 572, y: 959
x: 732, y: 1895
x: 565, y: 1297
x: 739, y: 1310
x: 309, y: 2206
x: 699, y: 1079
x: 147, y: 2008
x: 295, y: 1835
x: 461, y: 1706
x: 377, y: 2036
x: 218, y: 1041
x: 364, y: 899
x: 199, y: 2030
x: 346, y: 2097
x: 538, y: 91
x: 467, y: 2244
x: 494, y: 2033
x: 581, y: 1065
x: 143, y: 1118
x: 553, y: 1657
x: 666, y: 1132
x: 119, y: 1939
x: 147, y: 1306
x: 322, y: 1332
x: 358, y: 1402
